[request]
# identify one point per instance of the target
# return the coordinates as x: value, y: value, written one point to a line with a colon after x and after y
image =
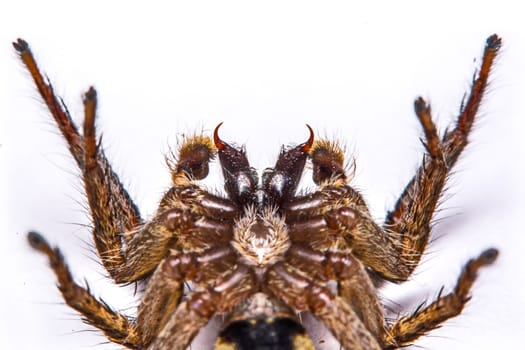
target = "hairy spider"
x: 261, y: 253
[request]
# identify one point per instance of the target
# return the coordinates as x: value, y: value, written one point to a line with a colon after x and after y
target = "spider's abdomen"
x: 270, y: 333
x: 262, y: 322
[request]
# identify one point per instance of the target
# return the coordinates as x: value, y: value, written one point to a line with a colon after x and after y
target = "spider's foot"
x: 37, y: 241
x: 20, y: 45
x: 488, y: 256
x: 494, y: 42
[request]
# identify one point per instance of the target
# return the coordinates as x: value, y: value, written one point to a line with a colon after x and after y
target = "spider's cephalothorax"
x: 260, y: 254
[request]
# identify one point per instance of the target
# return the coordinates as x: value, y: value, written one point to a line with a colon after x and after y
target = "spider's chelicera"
x: 261, y: 253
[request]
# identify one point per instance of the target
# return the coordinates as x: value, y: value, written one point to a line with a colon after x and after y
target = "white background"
x: 350, y: 70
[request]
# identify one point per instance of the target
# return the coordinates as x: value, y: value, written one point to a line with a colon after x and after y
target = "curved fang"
x: 308, y: 144
x: 218, y: 142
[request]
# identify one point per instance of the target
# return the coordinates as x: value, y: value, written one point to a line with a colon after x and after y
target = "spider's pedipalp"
x: 328, y: 161
x: 192, y: 160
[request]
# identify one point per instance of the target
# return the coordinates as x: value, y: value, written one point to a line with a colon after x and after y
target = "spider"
x: 261, y: 253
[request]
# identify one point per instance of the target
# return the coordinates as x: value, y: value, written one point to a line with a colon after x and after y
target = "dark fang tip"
x: 20, y: 45
x: 36, y: 240
x: 308, y: 144
x: 218, y: 142
x: 489, y: 255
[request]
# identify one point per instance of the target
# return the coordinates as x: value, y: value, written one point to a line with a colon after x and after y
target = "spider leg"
x: 411, y: 218
x: 408, y: 328
x: 194, y: 313
x: 54, y: 103
x: 188, y: 218
x: 393, y: 251
x: 180, y: 224
x: 336, y: 217
x: 357, y: 289
x: 165, y: 287
x: 117, y: 327
x: 112, y: 209
x: 302, y: 293
x: 354, y: 284
x: 128, y: 249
